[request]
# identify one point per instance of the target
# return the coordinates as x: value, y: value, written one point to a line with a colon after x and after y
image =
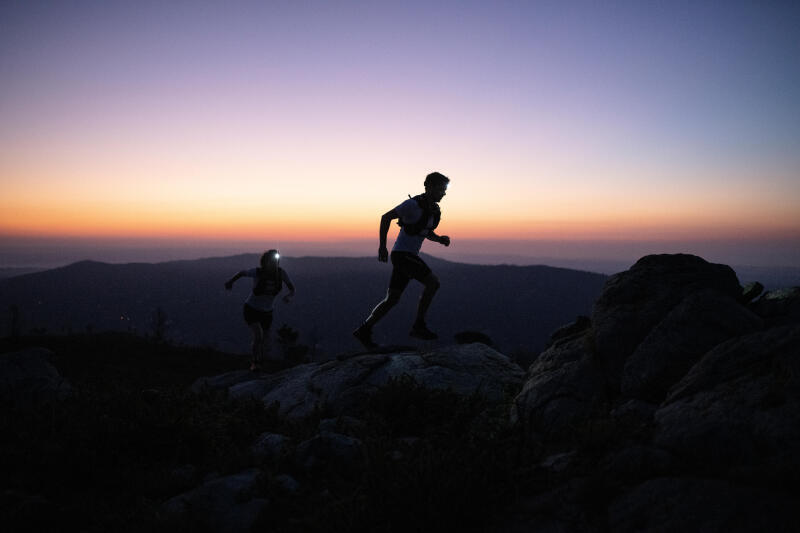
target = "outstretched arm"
x: 386, y: 221
x: 230, y: 282
x: 441, y: 239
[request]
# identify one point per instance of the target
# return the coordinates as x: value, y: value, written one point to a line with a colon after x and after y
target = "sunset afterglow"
x: 306, y: 121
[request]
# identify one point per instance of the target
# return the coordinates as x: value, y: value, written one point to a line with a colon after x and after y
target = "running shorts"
x: 256, y: 316
x: 405, y: 267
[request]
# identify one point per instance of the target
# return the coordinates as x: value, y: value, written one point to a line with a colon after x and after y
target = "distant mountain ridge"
x: 10, y: 272
x: 517, y: 306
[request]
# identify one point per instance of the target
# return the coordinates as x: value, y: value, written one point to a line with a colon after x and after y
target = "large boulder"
x: 738, y: 410
x: 649, y: 326
x: 678, y: 405
x: 635, y: 301
x: 694, y: 326
x: 342, y: 385
x: 564, y: 389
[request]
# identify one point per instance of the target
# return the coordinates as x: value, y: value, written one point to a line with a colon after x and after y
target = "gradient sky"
x: 304, y: 120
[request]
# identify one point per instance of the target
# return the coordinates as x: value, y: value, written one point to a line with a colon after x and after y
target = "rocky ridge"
x: 339, y: 386
x: 673, y: 407
x: 678, y: 403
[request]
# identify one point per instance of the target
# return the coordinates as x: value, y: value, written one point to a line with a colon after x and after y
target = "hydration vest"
x: 268, y: 282
x: 428, y: 209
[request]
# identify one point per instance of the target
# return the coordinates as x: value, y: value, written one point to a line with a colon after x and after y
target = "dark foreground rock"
x: 738, y: 410
x: 679, y: 404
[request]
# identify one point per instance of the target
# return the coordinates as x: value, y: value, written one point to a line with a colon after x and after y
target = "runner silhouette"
x: 417, y: 217
x: 268, y: 281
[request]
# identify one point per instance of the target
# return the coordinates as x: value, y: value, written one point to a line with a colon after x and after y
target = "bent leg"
x: 431, y: 286
x: 392, y: 297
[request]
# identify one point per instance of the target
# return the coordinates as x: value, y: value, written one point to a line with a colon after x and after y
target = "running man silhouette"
x: 268, y: 281
x: 417, y: 218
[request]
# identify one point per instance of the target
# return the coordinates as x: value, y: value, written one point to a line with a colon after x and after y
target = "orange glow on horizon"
x: 341, y: 206
x: 101, y: 224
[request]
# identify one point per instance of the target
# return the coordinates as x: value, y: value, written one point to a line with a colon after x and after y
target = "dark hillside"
x: 517, y: 307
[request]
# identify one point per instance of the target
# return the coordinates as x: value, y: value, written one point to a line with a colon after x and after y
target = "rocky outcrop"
x: 649, y: 326
x: 674, y: 407
x: 698, y: 323
x: 340, y: 386
x: 564, y: 387
x: 634, y: 302
x: 738, y: 410
x: 678, y: 404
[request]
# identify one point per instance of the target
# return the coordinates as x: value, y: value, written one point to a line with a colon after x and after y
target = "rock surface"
x: 694, y: 326
x: 675, y: 407
x: 739, y: 408
x: 648, y: 327
x: 341, y: 385
x: 683, y: 397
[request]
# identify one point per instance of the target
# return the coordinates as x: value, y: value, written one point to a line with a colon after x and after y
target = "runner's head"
x: 270, y: 258
x: 436, y: 185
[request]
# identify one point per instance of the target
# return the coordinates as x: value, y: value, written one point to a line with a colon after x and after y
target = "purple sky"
x: 671, y: 124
